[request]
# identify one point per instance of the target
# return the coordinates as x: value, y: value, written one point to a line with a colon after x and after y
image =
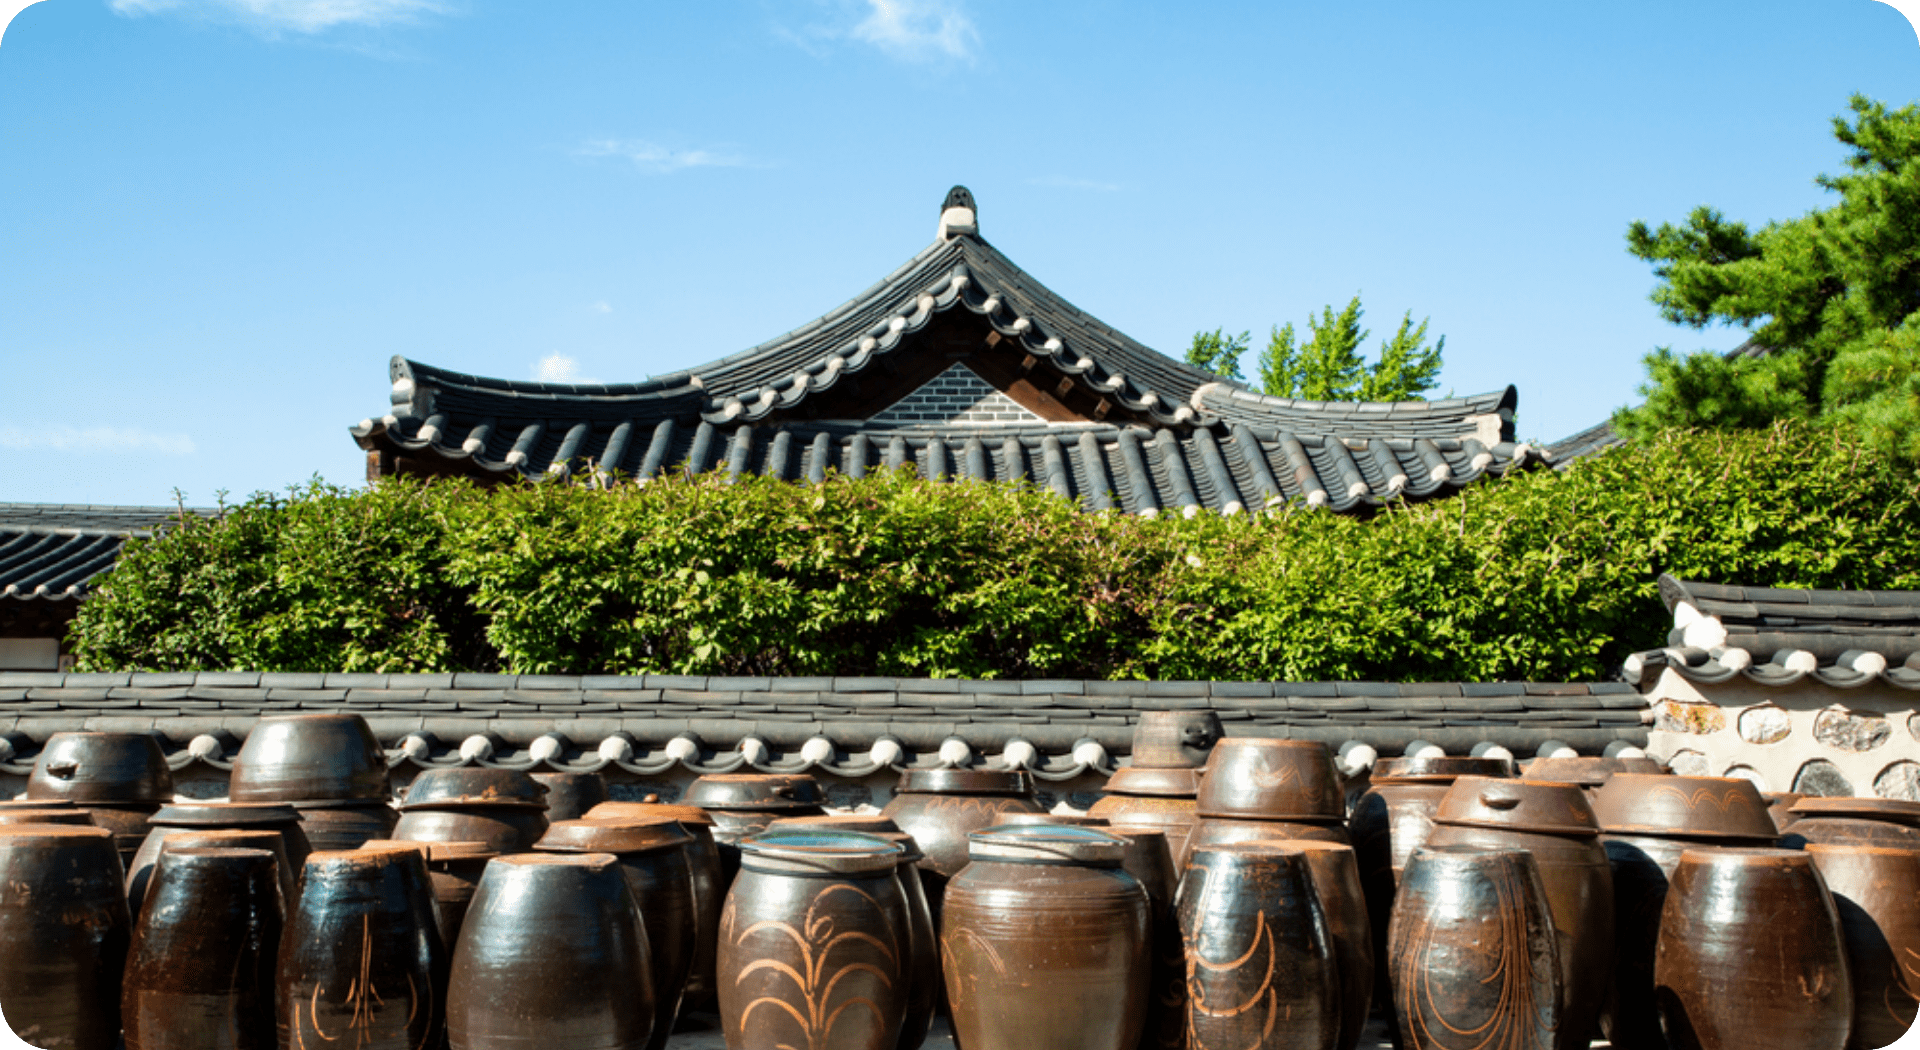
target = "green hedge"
x: 1544, y: 576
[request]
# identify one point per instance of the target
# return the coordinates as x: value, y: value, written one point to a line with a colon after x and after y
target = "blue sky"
x: 224, y: 216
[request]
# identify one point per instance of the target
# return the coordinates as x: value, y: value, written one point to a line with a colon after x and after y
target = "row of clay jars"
x: 120, y: 778
x: 329, y: 767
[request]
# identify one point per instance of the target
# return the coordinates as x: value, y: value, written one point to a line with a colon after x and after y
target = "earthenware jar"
x: 121, y: 778
x: 455, y: 869
x: 709, y: 886
x: 1646, y: 822
x: 1175, y: 739
x: 345, y: 825
x: 1892, y: 823
x: 653, y: 854
x: 1588, y: 771
x: 1081, y: 984
x: 29, y: 815
x: 553, y: 954
x: 1392, y: 819
x: 280, y: 819
x: 742, y: 804
x: 1751, y: 955
x: 1251, y: 778
x: 570, y: 795
x: 1261, y: 968
x: 1160, y: 797
x: 361, y: 956
x: 1877, y: 895
x: 1471, y: 954
x: 1336, y: 882
x: 200, y: 971
x: 1780, y: 807
x: 504, y: 808
x: 815, y: 943
x: 1149, y: 859
x: 309, y: 758
x: 1555, y: 823
x: 923, y: 985
x: 63, y: 935
x: 1223, y: 831
x: 940, y: 807
x: 230, y: 839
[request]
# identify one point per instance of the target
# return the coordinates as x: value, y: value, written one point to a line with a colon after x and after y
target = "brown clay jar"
x: 1253, y: 778
x: 1149, y: 859
x: 1780, y: 807
x: 815, y: 943
x: 742, y: 804
x: 1045, y: 942
x: 1751, y: 955
x: 269, y: 841
x: 1163, y: 798
x: 121, y: 778
x: 923, y: 984
x: 455, y: 869
x: 200, y: 970
x: 39, y: 813
x: 940, y: 807
x: 1175, y: 739
x: 571, y: 795
x: 361, y: 958
x: 709, y: 886
x: 1336, y: 882
x: 1646, y: 823
x: 214, y: 816
x: 1261, y: 968
x: 1877, y: 895
x: 1554, y: 823
x: 310, y: 758
x: 1472, y: 959
x: 1224, y: 831
x: 653, y: 855
x: 553, y: 954
x: 345, y: 825
x: 1886, y: 822
x: 63, y: 935
x: 504, y: 808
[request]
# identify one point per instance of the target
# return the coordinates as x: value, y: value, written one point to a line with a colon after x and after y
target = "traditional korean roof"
x: 1777, y: 636
x: 649, y: 724
x: 1577, y: 446
x: 50, y: 550
x: 1110, y: 422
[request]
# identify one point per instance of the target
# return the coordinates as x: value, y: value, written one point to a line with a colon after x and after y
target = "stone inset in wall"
x: 1900, y: 780
x: 1747, y: 773
x: 1696, y: 719
x: 1821, y: 777
x: 1689, y: 764
x: 1765, y: 724
x: 956, y: 395
x: 1844, y: 730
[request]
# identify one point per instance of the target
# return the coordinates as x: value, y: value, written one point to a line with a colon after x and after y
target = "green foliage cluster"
x: 1328, y: 365
x: 1541, y: 576
x: 1832, y: 298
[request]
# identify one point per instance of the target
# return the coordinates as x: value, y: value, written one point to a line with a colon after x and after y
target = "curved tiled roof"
x: 50, y: 550
x: 1193, y: 441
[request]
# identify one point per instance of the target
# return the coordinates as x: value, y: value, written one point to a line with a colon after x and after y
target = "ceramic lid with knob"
x: 688, y: 815
x: 826, y: 852
x: 759, y: 791
x: 1517, y: 805
x: 1048, y: 844
x: 1682, y: 807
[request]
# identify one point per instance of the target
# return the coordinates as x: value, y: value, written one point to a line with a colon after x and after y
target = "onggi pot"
x: 941, y: 807
x: 63, y: 935
x: 1336, y: 882
x: 200, y: 972
x: 1162, y: 798
x: 282, y: 820
x: 1877, y: 894
x: 121, y: 778
x: 709, y: 885
x: 308, y: 758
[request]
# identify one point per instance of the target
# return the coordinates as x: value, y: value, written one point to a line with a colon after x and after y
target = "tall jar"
x: 504, y: 808
x: 200, y: 971
x: 742, y: 804
x: 1045, y: 939
x: 63, y: 935
x: 278, y: 818
x: 815, y: 943
x: 1877, y: 894
x: 709, y: 886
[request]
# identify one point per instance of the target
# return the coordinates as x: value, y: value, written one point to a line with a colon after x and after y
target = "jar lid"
x: 1587, y: 770
x: 1682, y: 807
x: 225, y: 814
x: 1517, y: 805
x: 1440, y: 768
x: 1047, y: 844
x: 1154, y: 783
x: 438, y: 851
x: 468, y: 786
x: 966, y: 782
x: 613, y: 835
x: 688, y: 815
x: 1890, y: 810
x: 38, y: 803
x: 805, y: 851
x: 765, y: 791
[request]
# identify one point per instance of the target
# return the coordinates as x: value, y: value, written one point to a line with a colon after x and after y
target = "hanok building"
x: 962, y: 365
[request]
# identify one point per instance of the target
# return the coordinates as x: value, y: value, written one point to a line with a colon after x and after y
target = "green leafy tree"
x: 1830, y: 297
x: 1218, y: 352
x: 1329, y: 365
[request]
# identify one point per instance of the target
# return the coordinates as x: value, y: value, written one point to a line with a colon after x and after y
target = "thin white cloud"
x: 95, y: 439
x: 559, y: 368
x: 273, y: 17
x: 653, y: 157
x: 918, y: 31
x: 602, y: 307
x: 1062, y: 182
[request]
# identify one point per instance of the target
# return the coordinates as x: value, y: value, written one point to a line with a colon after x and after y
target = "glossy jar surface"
x: 306, y: 758
x: 101, y: 767
x: 1266, y: 779
x: 282, y: 820
x: 63, y: 935
x: 1876, y: 893
x: 350, y: 825
x: 1336, y: 882
x: 504, y: 829
x: 200, y: 970
x: 710, y: 883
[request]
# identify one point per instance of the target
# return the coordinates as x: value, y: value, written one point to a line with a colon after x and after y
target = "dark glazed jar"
x: 571, y: 795
x: 1225, y: 831
x: 1336, y: 882
x: 553, y: 954
x: 345, y: 825
x: 121, y: 778
x: 231, y: 838
x: 1149, y: 859
x: 361, y: 958
x: 1175, y: 739
x: 200, y: 971
x: 815, y: 943
x: 653, y: 855
x: 282, y: 820
x: 455, y: 869
x: 709, y: 885
x: 504, y: 808
x: 742, y: 804
x: 1780, y: 807
x: 1554, y: 823
x: 1471, y: 954
x: 1163, y: 798
x: 27, y: 815
x: 1252, y: 778
x: 1751, y: 954
x: 1877, y: 895
x: 923, y: 984
x: 940, y: 807
x: 1261, y: 969
x: 1886, y: 822
x: 63, y: 935
x: 310, y: 758
x: 1045, y: 941
x: 1646, y: 823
